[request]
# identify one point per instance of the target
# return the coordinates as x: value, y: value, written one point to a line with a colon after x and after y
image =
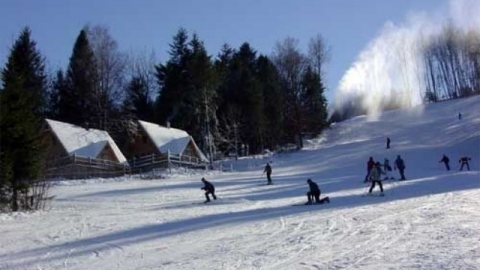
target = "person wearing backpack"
x: 400, y: 164
x: 375, y: 178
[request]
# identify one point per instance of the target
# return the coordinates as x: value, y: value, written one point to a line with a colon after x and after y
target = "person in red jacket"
x: 370, y: 165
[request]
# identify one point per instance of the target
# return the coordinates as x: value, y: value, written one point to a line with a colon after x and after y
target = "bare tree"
x: 142, y: 65
x: 111, y: 66
x: 319, y: 53
x: 291, y: 64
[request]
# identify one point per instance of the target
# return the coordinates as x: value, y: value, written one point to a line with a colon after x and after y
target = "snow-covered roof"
x: 79, y: 141
x: 170, y: 139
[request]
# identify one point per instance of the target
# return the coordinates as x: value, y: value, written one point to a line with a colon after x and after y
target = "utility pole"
x: 207, y: 122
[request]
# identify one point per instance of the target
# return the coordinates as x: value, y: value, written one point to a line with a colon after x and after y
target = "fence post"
x: 74, y: 158
x: 168, y: 161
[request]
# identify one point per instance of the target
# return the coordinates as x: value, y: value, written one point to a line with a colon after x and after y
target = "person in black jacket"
x: 446, y: 160
x: 464, y: 161
x: 315, y: 193
x: 209, y: 189
x: 268, y: 170
x: 400, y: 165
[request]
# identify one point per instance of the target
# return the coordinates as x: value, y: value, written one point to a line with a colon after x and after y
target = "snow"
x: 429, y: 221
x: 170, y: 139
x: 87, y: 143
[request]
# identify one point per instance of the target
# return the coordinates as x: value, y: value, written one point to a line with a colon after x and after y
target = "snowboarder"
x: 268, y: 170
x: 445, y: 160
x: 209, y: 189
x: 315, y: 193
x: 375, y: 177
x: 386, y: 165
x: 400, y: 164
x: 370, y: 165
x: 388, y: 143
x: 464, y: 161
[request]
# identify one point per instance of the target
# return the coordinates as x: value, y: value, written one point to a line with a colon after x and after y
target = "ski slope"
x: 430, y: 221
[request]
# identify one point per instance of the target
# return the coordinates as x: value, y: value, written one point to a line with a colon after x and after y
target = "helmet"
x: 309, y: 180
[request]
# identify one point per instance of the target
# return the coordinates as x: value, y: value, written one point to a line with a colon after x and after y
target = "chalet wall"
x: 54, y: 148
x: 107, y: 154
x: 141, y: 146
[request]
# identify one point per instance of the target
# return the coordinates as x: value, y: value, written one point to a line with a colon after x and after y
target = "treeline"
x: 238, y: 101
x: 452, y: 64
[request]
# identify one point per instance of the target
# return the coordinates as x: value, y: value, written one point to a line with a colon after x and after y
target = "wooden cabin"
x: 76, y: 153
x: 157, y: 146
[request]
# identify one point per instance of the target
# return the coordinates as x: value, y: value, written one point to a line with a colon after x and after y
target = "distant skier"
x: 315, y: 193
x: 464, y: 161
x: 268, y: 170
x: 445, y: 160
x: 388, y: 143
x: 459, y: 116
x: 375, y: 177
x: 209, y: 189
x: 370, y: 165
x: 400, y: 164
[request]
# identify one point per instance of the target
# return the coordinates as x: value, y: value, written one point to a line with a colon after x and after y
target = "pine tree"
x: 172, y: 80
x: 77, y: 104
x: 21, y: 111
x: 313, y: 102
x: 269, y: 80
x: 138, y: 104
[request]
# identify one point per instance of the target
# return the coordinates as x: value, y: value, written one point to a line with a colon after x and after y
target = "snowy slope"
x: 430, y: 221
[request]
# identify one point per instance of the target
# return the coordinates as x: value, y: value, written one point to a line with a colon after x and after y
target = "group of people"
x: 313, y: 195
x: 375, y: 170
x: 463, y: 162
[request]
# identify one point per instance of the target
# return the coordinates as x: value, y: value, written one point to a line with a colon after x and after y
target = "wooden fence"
x: 79, y: 167
x: 165, y: 161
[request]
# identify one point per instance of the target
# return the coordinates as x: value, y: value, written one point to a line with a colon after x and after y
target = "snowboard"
x: 374, y: 195
x: 305, y: 204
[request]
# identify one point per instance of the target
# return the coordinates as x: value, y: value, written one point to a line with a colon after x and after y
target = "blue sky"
x: 143, y: 26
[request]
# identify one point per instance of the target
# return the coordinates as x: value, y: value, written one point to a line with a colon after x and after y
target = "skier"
x: 375, y: 178
x: 209, y: 189
x: 370, y: 165
x: 315, y: 193
x: 386, y: 169
x: 459, y: 116
x: 464, y: 161
x: 388, y: 143
x: 400, y: 164
x: 268, y: 170
x: 445, y: 160
x: 386, y: 165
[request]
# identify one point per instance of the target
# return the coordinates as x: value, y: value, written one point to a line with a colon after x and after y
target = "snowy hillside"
x: 430, y: 221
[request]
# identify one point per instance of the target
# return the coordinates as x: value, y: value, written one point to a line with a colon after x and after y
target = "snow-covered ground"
x: 430, y: 221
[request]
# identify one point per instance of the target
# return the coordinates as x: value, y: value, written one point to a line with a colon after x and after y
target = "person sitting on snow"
x: 315, y: 193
